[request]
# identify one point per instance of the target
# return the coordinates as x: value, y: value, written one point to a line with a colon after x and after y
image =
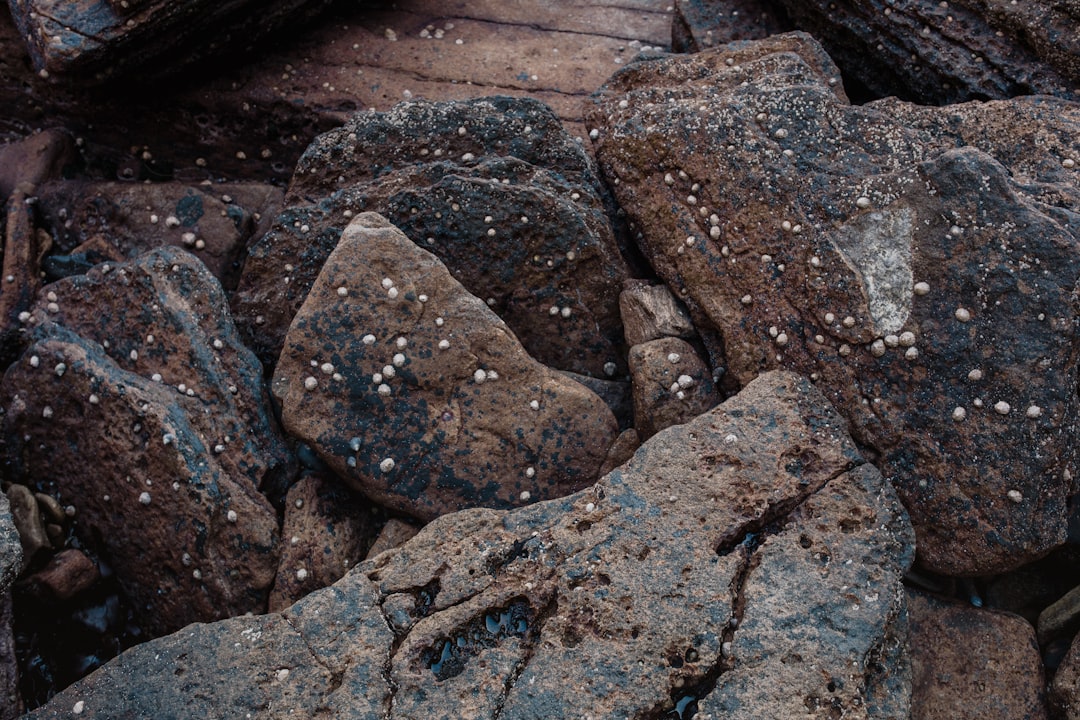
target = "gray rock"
x: 11, y: 553
x: 922, y: 274
x: 11, y: 705
x: 748, y: 562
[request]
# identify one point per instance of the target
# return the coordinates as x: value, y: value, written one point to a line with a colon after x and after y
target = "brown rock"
x: 671, y: 385
x: 751, y: 577
x: 621, y: 450
x: 416, y: 394
x: 24, y: 247
x: 326, y: 531
x: 394, y: 533
x: 925, y: 287
x: 1064, y: 691
x: 137, y: 404
x: 35, y: 159
x: 973, y: 663
x: 1060, y: 618
x: 28, y: 523
x: 650, y: 312
x: 701, y: 24
x: 941, y: 54
x: 68, y: 573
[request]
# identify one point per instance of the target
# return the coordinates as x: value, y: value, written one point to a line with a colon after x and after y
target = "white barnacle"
x: 530, y: 472
x: 368, y: 339
x: 534, y: 404
x: 911, y: 353
x: 610, y: 368
x: 34, y: 361
x: 877, y: 348
x: 387, y: 283
x: 685, y: 381
x: 1033, y: 411
x: 231, y: 516
x: 144, y: 498
x: 46, y: 412
x: 310, y: 383
x: 959, y: 413
x: 782, y: 339
x: 327, y: 368
x: 392, y: 293
x: 94, y: 399
x: 444, y: 344
x: 673, y: 357
x: 921, y: 288
x: 1015, y: 496
x: 218, y: 345
x: 399, y: 359
x: 342, y: 291
x: 387, y: 465
x: 907, y: 338
x: 60, y: 369
x: 354, y: 444
x: 975, y: 375
x: 962, y: 314
x: 301, y: 574
x: 1002, y: 408
x: 479, y: 376
x: 389, y: 371
x: 401, y: 342
x: 384, y: 389
x: 862, y: 202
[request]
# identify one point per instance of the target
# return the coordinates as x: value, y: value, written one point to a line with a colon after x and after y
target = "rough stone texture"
x: 671, y: 385
x: 1064, y: 691
x: 539, y: 248
x: 159, y: 440
x: 327, y: 530
x: 105, y: 39
x: 650, y: 312
x: 1060, y: 618
x: 973, y: 663
x: 945, y: 53
x: 617, y: 601
x: 431, y: 412
x: 68, y: 573
x: 11, y: 704
x: 11, y: 557
x: 24, y: 247
x: 98, y: 221
x: 394, y: 533
x: 908, y: 276
x: 701, y: 24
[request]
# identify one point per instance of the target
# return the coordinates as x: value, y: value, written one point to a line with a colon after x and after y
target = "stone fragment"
x: 68, y: 573
x: 28, y: 523
x: 326, y: 531
x: 701, y: 24
x: 973, y: 663
x: 34, y: 159
x: 621, y: 450
x: 11, y: 553
x: 1064, y: 690
x: 939, y: 54
x: 684, y: 579
x: 671, y: 385
x: 11, y: 704
x: 922, y: 275
x: 1060, y: 618
x: 137, y: 404
x: 650, y: 312
x: 415, y: 393
x: 394, y: 533
x: 512, y: 206
x: 24, y: 247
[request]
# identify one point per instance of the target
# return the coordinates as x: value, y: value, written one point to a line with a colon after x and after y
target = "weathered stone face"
x: 747, y: 562
x: 413, y: 390
x: 496, y: 188
x: 929, y: 289
x: 137, y: 404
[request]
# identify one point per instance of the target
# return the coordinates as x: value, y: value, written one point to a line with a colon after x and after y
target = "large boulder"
x: 137, y: 405
x: 747, y: 564
x: 495, y: 187
x: 923, y: 275
x: 418, y: 395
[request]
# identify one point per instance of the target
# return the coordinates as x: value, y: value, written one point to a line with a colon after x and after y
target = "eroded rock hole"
x: 448, y: 657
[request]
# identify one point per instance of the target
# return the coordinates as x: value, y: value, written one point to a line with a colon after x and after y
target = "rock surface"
x: 702, y: 24
x: 11, y: 704
x: 137, y: 404
x: 11, y: 557
x: 973, y: 663
x: 495, y: 188
x: 671, y: 385
x: 929, y: 289
x: 415, y: 393
x: 771, y: 588
x: 1064, y: 691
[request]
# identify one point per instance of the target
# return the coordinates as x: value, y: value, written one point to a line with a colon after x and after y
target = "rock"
x: 416, y: 394
x: 973, y: 663
x: 747, y: 563
x: 1060, y: 618
x: 650, y: 312
x: 11, y: 705
x: 1064, y: 690
x: 943, y: 54
x: 11, y: 553
x: 394, y: 533
x: 28, y: 523
x: 24, y: 247
x: 34, y: 159
x: 495, y: 188
x: 621, y: 450
x: 671, y: 385
x: 326, y: 531
x: 106, y: 39
x: 137, y: 404
x: 92, y: 222
x: 924, y: 282
x: 68, y: 573
x: 701, y: 24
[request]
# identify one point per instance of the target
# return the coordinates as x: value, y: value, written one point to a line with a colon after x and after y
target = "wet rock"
x: 927, y: 288
x: 137, y: 404
x: 11, y: 553
x: 671, y: 385
x: 92, y: 222
x: 24, y: 247
x: 101, y: 38
x: 942, y: 54
x: 11, y: 705
x: 973, y: 663
x: 495, y: 188
x: 327, y: 530
x: 701, y: 24
x: 35, y: 159
x: 747, y: 564
x: 28, y: 523
x: 650, y: 312
x: 621, y: 450
x: 68, y: 573
x: 415, y: 393
x: 394, y: 533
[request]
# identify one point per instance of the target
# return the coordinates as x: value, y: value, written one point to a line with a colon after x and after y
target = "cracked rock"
x: 684, y: 578
x: 416, y: 394
x: 918, y: 263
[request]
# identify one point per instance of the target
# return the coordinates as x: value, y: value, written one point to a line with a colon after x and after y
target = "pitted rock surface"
x: 924, y: 276
x: 946, y: 53
x: 11, y: 554
x: 137, y: 404
x: 414, y: 392
x: 748, y: 562
x: 495, y: 188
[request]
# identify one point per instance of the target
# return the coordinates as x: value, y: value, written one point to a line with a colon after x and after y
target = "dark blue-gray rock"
x: 494, y: 187
x: 11, y: 556
x: 137, y: 405
x: 919, y: 264
x: 415, y: 393
x: 747, y: 564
